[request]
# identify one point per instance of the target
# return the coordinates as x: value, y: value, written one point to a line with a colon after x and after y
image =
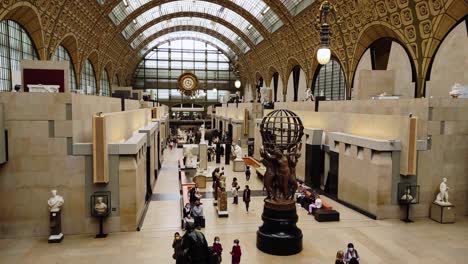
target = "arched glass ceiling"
x: 256, y: 8
x: 189, y: 35
x: 187, y: 21
x: 197, y: 7
x: 296, y: 6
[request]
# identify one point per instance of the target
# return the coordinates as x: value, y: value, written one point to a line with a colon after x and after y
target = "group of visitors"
x: 312, y: 202
x: 193, y: 211
x: 193, y: 248
x: 245, y: 195
x: 350, y: 257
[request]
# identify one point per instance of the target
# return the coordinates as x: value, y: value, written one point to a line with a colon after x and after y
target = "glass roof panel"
x: 296, y: 6
x: 195, y: 21
x: 257, y: 8
x: 189, y: 35
x: 198, y: 7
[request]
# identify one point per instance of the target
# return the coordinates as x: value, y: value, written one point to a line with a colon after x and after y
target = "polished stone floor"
x: 388, y: 241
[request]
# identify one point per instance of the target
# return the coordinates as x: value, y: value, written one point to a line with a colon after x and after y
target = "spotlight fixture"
x: 322, y: 24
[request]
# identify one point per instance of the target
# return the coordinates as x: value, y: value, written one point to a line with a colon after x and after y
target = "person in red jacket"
x: 236, y: 252
x: 217, y: 250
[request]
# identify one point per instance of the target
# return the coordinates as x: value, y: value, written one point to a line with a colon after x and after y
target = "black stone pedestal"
x: 56, y: 235
x: 279, y: 234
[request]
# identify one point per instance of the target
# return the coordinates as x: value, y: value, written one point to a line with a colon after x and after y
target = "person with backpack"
x: 351, y: 255
x: 247, y: 173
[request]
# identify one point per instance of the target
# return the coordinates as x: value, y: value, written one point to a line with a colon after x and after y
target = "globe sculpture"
x: 281, y: 129
x: 282, y: 132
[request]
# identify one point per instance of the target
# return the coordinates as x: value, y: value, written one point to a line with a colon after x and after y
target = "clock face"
x: 188, y: 83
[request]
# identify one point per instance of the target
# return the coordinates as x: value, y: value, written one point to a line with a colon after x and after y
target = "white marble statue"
x: 100, y: 207
x: 237, y: 150
x: 442, y: 197
x: 459, y: 91
x: 202, y: 134
x: 308, y: 95
x: 55, y: 202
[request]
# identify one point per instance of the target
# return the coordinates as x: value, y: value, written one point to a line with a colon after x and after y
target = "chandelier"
x: 322, y: 23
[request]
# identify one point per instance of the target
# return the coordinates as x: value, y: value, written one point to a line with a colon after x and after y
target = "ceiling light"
x: 134, y: 21
x: 237, y: 84
x: 265, y: 10
x: 238, y: 38
x: 125, y: 3
x: 249, y: 27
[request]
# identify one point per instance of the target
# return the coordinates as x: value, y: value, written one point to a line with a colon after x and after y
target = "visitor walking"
x: 176, y: 245
x: 217, y: 250
x: 236, y: 252
x: 247, y: 173
x: 197, y: 213
x: 246, y: 197
x: 351, y: 255
x: 235, y: 191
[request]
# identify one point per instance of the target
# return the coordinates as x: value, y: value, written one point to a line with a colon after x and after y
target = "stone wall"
x: 42, y: 130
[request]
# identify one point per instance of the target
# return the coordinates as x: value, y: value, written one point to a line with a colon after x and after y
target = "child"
x: 217, y: 250
x: 236, y: 252
x: 247, y: 172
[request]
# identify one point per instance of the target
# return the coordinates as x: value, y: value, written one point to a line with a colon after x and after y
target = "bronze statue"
x: 282, y: 132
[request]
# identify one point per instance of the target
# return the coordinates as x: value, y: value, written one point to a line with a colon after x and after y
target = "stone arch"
x: 294, y: 67
x: 455, y: 13
x: 400, y: 78
x: 451, y: 51
x: 317, y: 71
x: 371, y: 33
x: 28, y: 17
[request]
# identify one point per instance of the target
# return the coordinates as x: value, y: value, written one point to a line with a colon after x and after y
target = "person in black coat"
x: 194, y: 247
x: 246, y: 197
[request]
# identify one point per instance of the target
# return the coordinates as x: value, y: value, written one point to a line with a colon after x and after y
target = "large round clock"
x: 187, y: 83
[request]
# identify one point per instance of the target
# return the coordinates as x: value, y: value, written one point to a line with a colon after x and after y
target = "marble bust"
x: 407, y: 197
x: 55, y: 202
x: 442, y: 197
x: 237, y: 150
x: 100, y: 207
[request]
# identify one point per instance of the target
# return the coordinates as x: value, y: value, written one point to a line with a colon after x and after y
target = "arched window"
x: 88, y: 79
x: 115, y: 81
x: 330, y: 81
x: 105, y: 85
x: 15, y: 45
x: 62, y: 54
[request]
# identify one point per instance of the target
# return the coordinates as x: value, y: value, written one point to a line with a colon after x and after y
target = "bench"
x: 322, y: 215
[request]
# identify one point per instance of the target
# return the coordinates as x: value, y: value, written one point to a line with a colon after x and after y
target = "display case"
x: 408, y: 193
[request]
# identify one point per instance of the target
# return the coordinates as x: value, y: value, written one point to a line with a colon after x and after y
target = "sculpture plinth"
x: 279, y: 234
x: 281, y: 131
